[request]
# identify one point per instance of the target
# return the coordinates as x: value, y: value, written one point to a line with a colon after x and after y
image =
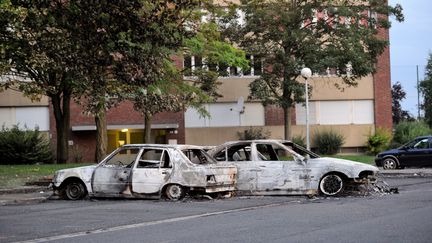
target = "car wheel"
x: 389, y: 164
x: 75, y: 190
x: 175, y: 192
x: 331, y: 185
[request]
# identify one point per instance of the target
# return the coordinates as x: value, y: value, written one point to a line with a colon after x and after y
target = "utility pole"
x: 418, y: 94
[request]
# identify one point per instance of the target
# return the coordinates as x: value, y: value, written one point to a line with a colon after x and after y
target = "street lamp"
x: 306, y: 73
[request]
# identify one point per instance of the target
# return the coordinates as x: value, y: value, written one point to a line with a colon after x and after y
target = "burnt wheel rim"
x: 174, y: 192
x: 74, y: 191
x: 389, y: 164
x: 331, y: 185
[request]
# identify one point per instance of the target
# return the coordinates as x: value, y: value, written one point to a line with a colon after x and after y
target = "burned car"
x: 147, y: 171
x: 274, y: 167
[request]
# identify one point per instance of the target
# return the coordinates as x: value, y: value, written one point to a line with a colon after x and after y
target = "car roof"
x: 173, y: 146
x: 426, y: 136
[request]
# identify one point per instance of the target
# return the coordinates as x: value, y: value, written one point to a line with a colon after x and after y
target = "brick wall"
x: 123, y: 114
x: 382, y: 87
x: 274, y: 116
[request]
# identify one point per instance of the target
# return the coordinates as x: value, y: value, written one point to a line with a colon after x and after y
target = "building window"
x: 193, y: 63
x: 336, y: 112
x: 226, y: 115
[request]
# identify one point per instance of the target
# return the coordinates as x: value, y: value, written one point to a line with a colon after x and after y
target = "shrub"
x: 253, y: 133
x: 379, y: 141
x: 23, y: 146
x: 299, y: 140
x: 328, y: 141
x: 407, y: 131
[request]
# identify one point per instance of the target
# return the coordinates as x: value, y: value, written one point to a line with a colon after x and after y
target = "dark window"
x: 123, y: 158
x: 187, y: 65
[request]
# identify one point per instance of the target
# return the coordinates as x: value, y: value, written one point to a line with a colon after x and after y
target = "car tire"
x: 389, y: 164
x: 75, y: 190
x: 331, y: 185
x: 175, y: 192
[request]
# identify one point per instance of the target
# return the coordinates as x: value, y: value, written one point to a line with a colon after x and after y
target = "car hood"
x: 83, y: 172
x: 391, y: 151
x: 81, y: 169
x: 341, y: 163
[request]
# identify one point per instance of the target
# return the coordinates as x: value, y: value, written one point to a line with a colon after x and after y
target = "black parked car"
x: 417, y: 153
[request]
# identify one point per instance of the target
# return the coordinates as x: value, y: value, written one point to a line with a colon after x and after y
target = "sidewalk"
x: 37, y: 194
x: 23, y: 195
x: 410, y: 172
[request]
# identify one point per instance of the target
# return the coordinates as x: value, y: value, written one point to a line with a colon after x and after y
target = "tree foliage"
x: 173, y: 92
x: 95, y: 51
x: 398, y: 94
x: 407, y: 131
x: 426, y: 89
x: 379, y: 141
x: 19, y: 146
x: 253, y: 133
x: 35, y: 57
x: 287, y: 35
x: 328, y: 141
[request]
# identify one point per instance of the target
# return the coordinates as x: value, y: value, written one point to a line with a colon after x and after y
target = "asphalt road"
x: 403, y: 217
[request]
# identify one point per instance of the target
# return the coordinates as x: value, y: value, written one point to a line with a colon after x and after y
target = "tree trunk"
x: 62, y: 119
x: 101, y: 136
x: 287, y: 123
x: 147, y: 127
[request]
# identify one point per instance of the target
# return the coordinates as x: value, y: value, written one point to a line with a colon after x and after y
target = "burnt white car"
x: 275, y: 167
x: 147, y: 171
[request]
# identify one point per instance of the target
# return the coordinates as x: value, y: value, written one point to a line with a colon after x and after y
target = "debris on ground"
x: 379, y: 187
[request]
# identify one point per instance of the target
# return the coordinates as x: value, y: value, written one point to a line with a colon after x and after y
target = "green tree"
x: 122, y: 45
x: 426, y: 89
x: 287, y: 35
x: 95, y: 51
x: 174, y: 93
x: 35, y: 57
x: 398, y: 114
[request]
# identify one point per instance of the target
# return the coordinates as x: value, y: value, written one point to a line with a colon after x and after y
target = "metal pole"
x: 307, y: 114
x: 418, y: 94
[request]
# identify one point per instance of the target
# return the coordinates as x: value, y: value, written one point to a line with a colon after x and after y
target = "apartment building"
x: 354, y: 112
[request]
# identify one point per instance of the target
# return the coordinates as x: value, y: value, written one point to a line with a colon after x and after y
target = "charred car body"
x: 274, y: 167
x: 147, y: 171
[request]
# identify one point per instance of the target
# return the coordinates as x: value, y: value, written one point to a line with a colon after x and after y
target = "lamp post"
x: 306, y: 73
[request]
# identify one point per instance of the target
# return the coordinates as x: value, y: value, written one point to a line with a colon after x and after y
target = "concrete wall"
x: 355, y: 135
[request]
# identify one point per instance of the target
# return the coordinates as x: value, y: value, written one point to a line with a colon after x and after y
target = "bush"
x: 299, y: 140
x: 253, y: 133
x: 23, y: 147
x: 328, y: 142
x: 379, y: 141
x: 407, y: 131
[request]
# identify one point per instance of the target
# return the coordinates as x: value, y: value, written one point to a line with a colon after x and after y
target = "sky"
x: 410, y: 45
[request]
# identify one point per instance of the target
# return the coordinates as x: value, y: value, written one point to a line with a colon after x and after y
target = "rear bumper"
x: 223, y: 188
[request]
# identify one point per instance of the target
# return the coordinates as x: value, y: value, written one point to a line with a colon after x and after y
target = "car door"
x: 415, y: 153
x: 112, y: 176
x: 239, y: 155
x: 152, y: 171
x: 428, y: 159
x: 278, y: 170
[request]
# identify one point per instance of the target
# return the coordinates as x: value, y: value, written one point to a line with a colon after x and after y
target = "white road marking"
x: 145, y: 224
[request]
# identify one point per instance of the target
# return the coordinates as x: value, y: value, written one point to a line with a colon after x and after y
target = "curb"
x: 23, y: 201
x: 23, y: 190
x: 413, y: 175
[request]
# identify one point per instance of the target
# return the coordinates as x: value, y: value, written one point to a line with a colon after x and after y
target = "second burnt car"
x: 274, y: 167
x: 147, y: 171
